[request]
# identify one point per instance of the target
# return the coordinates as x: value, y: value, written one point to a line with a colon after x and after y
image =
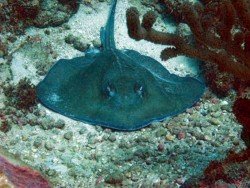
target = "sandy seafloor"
x: 81, y: 155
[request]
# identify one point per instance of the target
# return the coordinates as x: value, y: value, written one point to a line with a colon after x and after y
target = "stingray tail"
x: 107, y: 32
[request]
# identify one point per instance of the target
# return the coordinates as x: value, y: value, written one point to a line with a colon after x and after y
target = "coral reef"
x: 232, y: 171
x: 219, y: 37
x: 16, y: 15
x: 54, y: 13
x: 22, y: 96
x: 241, y: 110
x: 158, y: 156
x: 72, y: 5
x: 221, y: 83
x: 21, y: 176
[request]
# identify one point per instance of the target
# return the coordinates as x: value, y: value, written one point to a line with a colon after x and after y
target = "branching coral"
x: 220, y: 37
x: 221, y: 31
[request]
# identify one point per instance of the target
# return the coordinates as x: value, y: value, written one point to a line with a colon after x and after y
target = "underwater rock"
x: 76, y: 42
x: 115, y: 179
x: 54, y: 14
x: 60, y: 124
x: 81, y: 46
x: 112, y: 138
x: 68, y: 135
x: 37, y: 143
x: 161, y: 147
x: 49, y: 146
x: 82, y: 130
x: 69, y: 39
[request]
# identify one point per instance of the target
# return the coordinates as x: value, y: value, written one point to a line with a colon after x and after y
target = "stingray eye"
x: 110, y: 90
x: 139, y: 89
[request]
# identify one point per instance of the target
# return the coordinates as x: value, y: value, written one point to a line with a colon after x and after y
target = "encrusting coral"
x: 221, y: 33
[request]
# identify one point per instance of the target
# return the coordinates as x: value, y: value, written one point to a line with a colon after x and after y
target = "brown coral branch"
x: 242, y: 8
x: 221, y: 30
x: 138, y: 32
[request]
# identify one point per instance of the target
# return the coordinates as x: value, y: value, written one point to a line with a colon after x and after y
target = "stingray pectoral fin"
x: 61, y: 72
x: 150, y: 64
x: 184, y: 92
x: 79, y: 90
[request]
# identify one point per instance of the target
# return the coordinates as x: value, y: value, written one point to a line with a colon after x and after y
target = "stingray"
x: 118, y: 89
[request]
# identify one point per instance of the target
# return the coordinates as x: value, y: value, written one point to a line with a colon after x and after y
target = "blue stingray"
x: 119, y: 89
